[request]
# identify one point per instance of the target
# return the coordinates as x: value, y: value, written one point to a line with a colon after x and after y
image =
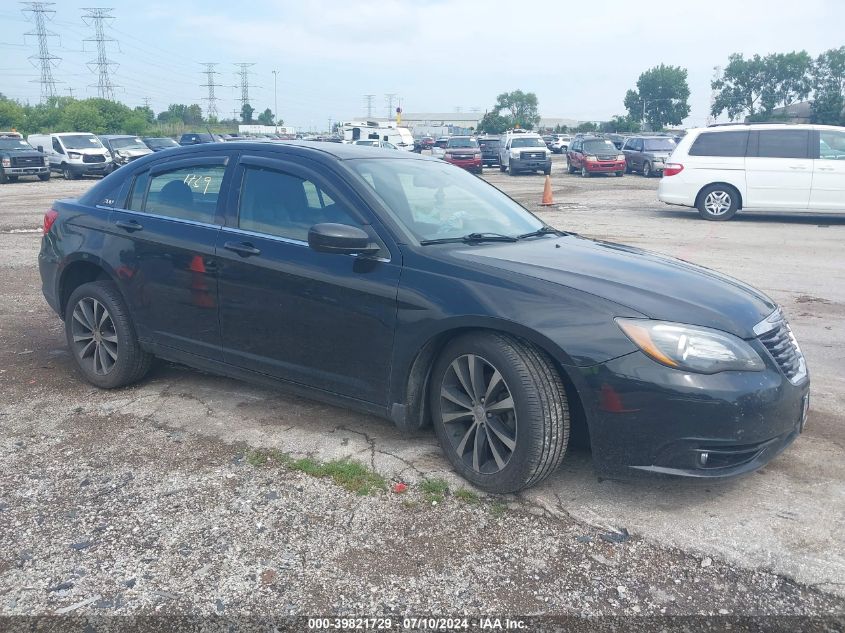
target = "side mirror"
x: 341, y: 239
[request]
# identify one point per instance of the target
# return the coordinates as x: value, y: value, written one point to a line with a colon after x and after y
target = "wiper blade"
x: 472, y: 238
x: 544, y: 230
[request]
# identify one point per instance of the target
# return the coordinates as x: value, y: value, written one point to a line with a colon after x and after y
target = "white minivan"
x: 74, y: 154
x: 766, y: 166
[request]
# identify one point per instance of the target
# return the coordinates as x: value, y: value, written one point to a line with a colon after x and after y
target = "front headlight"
x: 590, y: 158
x: 46, y: 161
x: 6, y: 162
x: 514, y: 154
x: 620, y: 157
x: 690, y: 347
x: 74, y: 155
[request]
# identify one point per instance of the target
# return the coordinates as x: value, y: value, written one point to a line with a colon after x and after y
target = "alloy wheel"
x: 717, y: 202
x: 478, y: 414
x: 94, y: 336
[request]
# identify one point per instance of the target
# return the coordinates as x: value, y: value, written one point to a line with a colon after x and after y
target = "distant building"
x: 799, y: 112
x: 445, y: 123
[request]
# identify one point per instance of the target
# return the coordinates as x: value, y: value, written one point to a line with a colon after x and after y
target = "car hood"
x: 654, y: 285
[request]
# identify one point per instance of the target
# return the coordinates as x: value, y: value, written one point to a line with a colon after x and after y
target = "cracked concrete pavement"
x: 786, y: 519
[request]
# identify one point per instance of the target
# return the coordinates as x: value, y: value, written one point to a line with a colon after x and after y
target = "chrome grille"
x: 27, y: 161
x: 93, y: 158
x: 532, y: 155
x: 607, y: 156
x: 776, y: 335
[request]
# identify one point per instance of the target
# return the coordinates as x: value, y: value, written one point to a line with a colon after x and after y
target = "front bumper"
x: 26, y: 171
x: 603, y: 167
x: 648, y: 417
x: 466, y: 163
x: 530, y: 165
x: 87, y: 169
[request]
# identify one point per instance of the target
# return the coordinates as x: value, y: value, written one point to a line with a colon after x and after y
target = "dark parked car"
x: 197, y: 138
x: 19, y: 158
x: 159, y: 143
x: 593, y: 155
x: 618, y: 140
x: 464, y: 151
x: 400, y: 286
x: 490, y: 146
x: 648, y: 154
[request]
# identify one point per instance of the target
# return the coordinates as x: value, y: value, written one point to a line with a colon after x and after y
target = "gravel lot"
x: 162, y: 498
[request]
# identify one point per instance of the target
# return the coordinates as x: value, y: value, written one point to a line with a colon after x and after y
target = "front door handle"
x: 244, y: 249
x: 797, y: 167
x: 130, y: 225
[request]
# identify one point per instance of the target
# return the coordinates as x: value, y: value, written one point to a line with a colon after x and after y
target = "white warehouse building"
x: 445, y: 123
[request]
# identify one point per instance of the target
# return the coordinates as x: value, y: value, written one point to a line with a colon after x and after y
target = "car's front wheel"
x: 500, y: 411
x: 584, y: 172
x: 68, y: 174
x: 102, y: 338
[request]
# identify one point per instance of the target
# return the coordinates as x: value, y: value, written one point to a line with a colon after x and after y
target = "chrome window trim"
x: 288, y: 240
x: 157, y: 216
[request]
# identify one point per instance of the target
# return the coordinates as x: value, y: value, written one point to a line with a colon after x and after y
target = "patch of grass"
x: 261, y: 457
x: 466, y: 495
x: 434, y: 490
x: 497, y: 508
x: 255, y: 458
x: 349, y: 474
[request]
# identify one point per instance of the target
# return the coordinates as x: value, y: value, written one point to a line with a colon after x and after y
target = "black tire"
x: 718, y: 203
x: 585, y: 173
x: 569, y: 166
x: 44, y: 177
x: 628, y: 169
x: 502, y: 168
x: 619, y: 174
x: 67, y: 172
x: 647, y: 171
x: 511, y: 170
x: 540, y: 412
x: 12, y: 178
x: 3, y: 177
x: 131, y: 362
x: 547, y: 171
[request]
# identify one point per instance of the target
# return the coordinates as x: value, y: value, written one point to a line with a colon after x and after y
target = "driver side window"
x: 57, y: 146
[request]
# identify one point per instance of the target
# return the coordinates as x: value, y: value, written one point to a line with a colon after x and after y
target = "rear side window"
x: 720, y: 144
x: 832, y: 145
x: 783, y: 143
x: 139, y: 188
x: 284, y: 205
x: 189, y: 193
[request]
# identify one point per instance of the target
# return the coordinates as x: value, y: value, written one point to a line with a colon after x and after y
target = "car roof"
x: 114, y: 136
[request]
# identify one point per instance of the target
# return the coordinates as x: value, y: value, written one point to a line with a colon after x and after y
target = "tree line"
x: 103, y: 116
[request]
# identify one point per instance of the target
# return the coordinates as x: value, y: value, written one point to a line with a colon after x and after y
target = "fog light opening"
x: 703, y: 458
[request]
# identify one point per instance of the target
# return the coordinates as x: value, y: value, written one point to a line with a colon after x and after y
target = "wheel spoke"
x: 502, y: 405
x: 110, y: 337
x: 108, y: 348
x: 104, y: 358
x: 476, y: 376
x: 79, y: 315
x: 88, y: 311
x: 499, y: 461
x: 504, y: 436
x: 495, y: 381
x: 477, y: 449
x: 78, y: 338
x: 461, y: 448
x: 104, y: 316
x: 449, y: 418
x: 92, y: 344
x: 459, y: 372
x: 452, y: 394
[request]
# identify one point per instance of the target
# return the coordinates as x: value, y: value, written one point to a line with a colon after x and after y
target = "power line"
x: 95, y: 17
x: 41, y: 14
x: 388, y: 99
x: 369, y: 99
x: 209, y: 73
x: 243, y: 74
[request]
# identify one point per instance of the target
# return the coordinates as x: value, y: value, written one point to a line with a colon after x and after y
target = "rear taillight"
x: 49, y: 218
x: 672, y: 169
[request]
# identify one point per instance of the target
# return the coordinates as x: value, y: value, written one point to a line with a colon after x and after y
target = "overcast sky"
x: 438, y: 55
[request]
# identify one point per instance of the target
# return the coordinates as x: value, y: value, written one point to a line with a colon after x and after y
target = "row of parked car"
x: 77, y: 154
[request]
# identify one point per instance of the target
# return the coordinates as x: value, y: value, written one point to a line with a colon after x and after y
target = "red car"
x: 464, y: 151
x: 593, y: 155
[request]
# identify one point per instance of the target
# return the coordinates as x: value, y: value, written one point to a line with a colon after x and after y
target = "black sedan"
x: 404, y: 287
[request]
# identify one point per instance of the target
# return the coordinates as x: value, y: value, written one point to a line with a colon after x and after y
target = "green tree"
x: 788, y: 79
x: 519, y: 108
x: 740, y: 88
x: 193, y: 115
x: 12, y: 114
x: 266, y: 117
x: 621, y: 123
x: 829, y: 85
x: 493, y: 123
x: 246, y: 113
x: 661, y: 97
x: 587, y: 126
x: 82, y: 116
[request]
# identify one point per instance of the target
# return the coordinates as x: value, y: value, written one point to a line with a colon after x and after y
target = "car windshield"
x: 659, y: 144
x: 462, y: 142
x: 440, y: 143
x: 437, y: 201
x: 491, y: 143
x: 128, y: 143
x: 602, y: 145
x: 369, y: 143
x: 80, y: 141
x: 14, y: 144
x: 528, y: 142
x: 162, y: 142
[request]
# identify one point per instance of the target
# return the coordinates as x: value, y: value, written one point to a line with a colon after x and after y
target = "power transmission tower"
x: 388, y: 99
x: 243, y: 73
x: 369, y: 99
x: 147, y: 103
x: 95, y: 17
x: 209, y: 73
x: 70, y: 92
x: 41, y: 13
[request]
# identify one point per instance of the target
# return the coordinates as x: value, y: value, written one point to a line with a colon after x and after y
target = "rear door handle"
x: 244, y: 249
x: 825, y: 168
x: 130, y: 225
x: 797, y: 167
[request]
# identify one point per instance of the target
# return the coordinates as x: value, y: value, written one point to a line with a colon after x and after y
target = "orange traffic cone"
x: 547, y: 193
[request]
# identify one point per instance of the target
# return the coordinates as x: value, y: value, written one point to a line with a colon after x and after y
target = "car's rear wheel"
x: 102, y: 338
x: 718, y: 202
x: 647, y: 169
x: 500, y: 411
x: 44, y: 177
x: 502, y: 167
x: 584, y: 172
x: 569, y: 166
x: 511, y: 170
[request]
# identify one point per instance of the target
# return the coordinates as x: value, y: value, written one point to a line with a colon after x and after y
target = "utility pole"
x: 243, y: 74
x: 95, y: 17
x: 70, y: 92
x: 388, y: 98
x: 369, y: 99
x: 209, y: 73
x: 147, y: 103
x: 41, y: 13
x: 275, y: 98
